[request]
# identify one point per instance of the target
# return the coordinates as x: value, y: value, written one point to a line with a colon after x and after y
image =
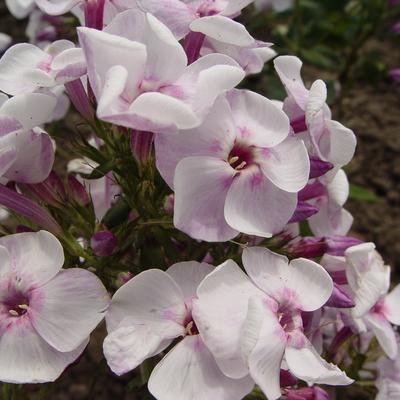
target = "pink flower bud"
x: 51, y: 190
x: 94, y: 13
x: 308, y: 247
x: 337, y: 245
x: 77, y: 191
x: 339, y: 298
x: 310, y: 393
x: 319, y: 167
x: 141, y: 145
x: 169, y: 204
x: 79, y: 98
x: 303, y: 211
x: 103, y: 243
x: 123, y: 277
x: 286, y: 378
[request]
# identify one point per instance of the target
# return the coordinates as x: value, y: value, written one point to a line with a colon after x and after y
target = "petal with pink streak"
x: 287, y: 165
x: 201, y: 186
x: 219, y: 313
x: 263, y: 344
x: 258, y: 120
x: 214, y: 137
x: 36, y: 256
x: 164, y: 313
x: 306, y: 364
x: 254, y: 205
x: 26, y: 358
x: 71, y: 305
x: 189, y: 371
x: 303, y: 283
x: 188, y: 275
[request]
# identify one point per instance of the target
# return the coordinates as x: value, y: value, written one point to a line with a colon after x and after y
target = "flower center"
x: 289, y: 319
x: 17, y: 304
x: 240, y: 157
x: 191, y: 328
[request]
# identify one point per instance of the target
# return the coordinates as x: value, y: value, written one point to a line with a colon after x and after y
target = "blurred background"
x: 353, y: 45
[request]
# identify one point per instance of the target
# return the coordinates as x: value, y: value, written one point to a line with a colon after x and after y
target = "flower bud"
x: 299, y: 124
x: 77, y: 191
x: 309, y: 393
x: 303, y: 211
x: 141, y: 145
x: 123, y: 277
x: 311, y: 191
x: 339, y: 298
x: 103, y: 243
x: 308, y: 247
x: 51, y: 190
x: 337, y: 245
x: 319, y: 167
x: 286, y: 378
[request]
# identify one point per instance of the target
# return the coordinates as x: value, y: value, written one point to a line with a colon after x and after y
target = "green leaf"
x: 360, y: 193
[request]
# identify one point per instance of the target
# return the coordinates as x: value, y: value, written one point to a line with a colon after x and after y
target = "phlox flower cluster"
x: 177, y: 209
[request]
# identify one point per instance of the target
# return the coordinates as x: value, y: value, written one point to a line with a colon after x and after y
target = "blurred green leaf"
x: 360, y: 193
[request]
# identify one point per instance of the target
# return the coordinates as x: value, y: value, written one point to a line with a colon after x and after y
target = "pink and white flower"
x: 46, y: 313
x: 25, y: 67
x: 310, y: 116
x: 237, y: 172
x: 26, y: 151
x: 250, y: 326
x: 146, y: 315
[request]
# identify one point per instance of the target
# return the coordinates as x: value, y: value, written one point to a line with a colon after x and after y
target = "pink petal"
x: 36, y: 256
x: 302, y: 281
x: 258, y: 119
x: 306, y: 364
x: 72, y: 304
x: 164, y: 313
x: 254, y: 205
x: 215, y: 138
x: 220, y: 312
x: 189, y: 371
x: 287, y: 165
x: 201, y: 185
x: 263, y: 342
x: 188, y: 275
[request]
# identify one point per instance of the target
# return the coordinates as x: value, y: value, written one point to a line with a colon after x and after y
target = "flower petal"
x: 255, y: 206
x: 302, y: 281
x: 220, y: 311
x: 164, y: 313
x: 201, y: 185
x: 258, y: 120
x: 306, y: 364
x: 391, y: 308
x: 73, y: 303
x: 287, y: 165
x: 36, y: 256
x: 189, y: 371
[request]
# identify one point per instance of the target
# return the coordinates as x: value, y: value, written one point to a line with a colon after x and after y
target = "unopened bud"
x: 77, y: 191
x: 309, y: 393
x: 319, y: 167
x: 303, y: 211
x: 339, y: 298
x: 337, y: 245
x: 103, y: 243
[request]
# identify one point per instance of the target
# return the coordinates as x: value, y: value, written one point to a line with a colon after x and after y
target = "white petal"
x: 223, y: 29
x: 36, y: 257
x: 175, y: 113
x: 73, y: 304
x: 31, y: 110
x: 264, y: 342
x: 287, y: 165
x: 316, y: 100
x: 220, y: 312
x: 189, y: 371
x: 342, y: 144
x: 128, y: 346
x: 254, y: 205
x: 56, y: 7
x: 188, y: 275
x: 302, y: 281
x: 384, y: 333
x: 201, y: 185
x: 306, y: 364
x: 258, y: 119
x: 5, y: 261
x: 26, y: 358
x: 391, y: 307
x: 151, y: 298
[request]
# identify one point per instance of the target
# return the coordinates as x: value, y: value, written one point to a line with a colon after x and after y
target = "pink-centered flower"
x: 26, y: 151
x: 139, y: 74
x: 25, y: 67
x: 251, y: 325
x: 310, y: 116
x: 238, y: 172
x: 150, y: 312
x: 46, y: 313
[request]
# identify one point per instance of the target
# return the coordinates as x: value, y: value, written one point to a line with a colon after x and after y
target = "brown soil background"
x: 374, y: 115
